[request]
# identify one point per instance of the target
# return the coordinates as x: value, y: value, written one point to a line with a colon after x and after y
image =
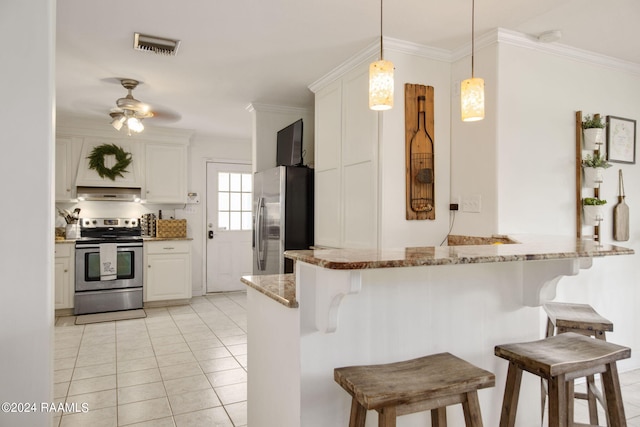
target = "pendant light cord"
x: 473, y: 14
x: 381, y: 57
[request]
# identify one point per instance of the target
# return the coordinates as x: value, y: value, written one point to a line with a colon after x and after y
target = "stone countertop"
x: 66, y: 241
x: 279, y: 287
x: 159, y: 239
x: 525, y: 248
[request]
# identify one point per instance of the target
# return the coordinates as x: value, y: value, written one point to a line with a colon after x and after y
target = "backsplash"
x: 115, y: 209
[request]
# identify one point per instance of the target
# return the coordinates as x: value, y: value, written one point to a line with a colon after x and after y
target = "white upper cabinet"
x: 346, y: 172
x: 158, y: 162
x: 66, y: 169
x: 165, y: 173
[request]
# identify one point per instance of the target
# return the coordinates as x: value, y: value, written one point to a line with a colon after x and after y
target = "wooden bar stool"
x: 559, y: 360
x: 427, y: 383
x: 582, y: 319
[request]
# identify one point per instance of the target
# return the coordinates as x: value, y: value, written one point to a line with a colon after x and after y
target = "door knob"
x: 211, y: 234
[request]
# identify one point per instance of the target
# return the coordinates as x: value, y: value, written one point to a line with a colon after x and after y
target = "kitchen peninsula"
x: 357, y: 306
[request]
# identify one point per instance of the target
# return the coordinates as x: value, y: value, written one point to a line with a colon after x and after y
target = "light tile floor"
x: 180, y: 366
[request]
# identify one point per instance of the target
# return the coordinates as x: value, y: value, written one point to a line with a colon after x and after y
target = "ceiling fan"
x: 130, y: 112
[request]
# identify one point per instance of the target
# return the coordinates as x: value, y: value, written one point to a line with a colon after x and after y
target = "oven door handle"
x: 93, y: 245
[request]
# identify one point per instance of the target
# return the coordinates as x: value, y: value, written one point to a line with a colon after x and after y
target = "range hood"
x: 109, y: 194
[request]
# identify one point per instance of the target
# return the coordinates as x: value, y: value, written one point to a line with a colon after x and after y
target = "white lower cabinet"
x: 64, y: 275
x: 167, y: 274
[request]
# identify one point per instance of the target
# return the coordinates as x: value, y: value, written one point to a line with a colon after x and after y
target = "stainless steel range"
x: 108, y: 265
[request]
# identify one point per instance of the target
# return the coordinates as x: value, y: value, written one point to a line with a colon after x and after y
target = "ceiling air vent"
x: 157, y: 45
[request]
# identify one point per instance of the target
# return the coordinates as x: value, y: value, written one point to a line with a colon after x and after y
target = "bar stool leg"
x: 543, y: 383
x: 601, y: 335
x: 591, y: 400
x: 511, y: 395
x: 557, y: 402
x: 471, y: 408
x: 613, y: 397
x: 569, y: 391
x: 387, y: 417
x: 439, y: 417
x: 358, y: 414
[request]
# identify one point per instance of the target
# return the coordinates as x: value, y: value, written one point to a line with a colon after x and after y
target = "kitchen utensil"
x: 621, y: 214
x: 68, y: 216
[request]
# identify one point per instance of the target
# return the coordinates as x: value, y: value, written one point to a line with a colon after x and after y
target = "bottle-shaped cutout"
x: 422, y: 176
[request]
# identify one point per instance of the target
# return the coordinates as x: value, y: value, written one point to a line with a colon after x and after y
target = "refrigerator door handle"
x: 259, y: 235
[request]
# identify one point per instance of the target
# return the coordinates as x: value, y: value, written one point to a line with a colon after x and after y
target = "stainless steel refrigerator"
x: 282, y: 216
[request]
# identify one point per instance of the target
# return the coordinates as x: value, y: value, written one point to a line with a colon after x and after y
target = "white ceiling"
x: 238, y: 52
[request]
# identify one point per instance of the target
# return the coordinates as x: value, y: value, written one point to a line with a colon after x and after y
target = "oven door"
x: 129, y: 267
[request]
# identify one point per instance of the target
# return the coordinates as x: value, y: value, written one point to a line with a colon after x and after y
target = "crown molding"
x: 492, y: 37
x: 523, y: 40
x: 410, y: 48
x: 368, y: 54
x: 271, y: 108
x: 516, y: 38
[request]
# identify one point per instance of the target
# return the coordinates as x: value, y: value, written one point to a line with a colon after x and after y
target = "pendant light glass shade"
x: 381, y: 85
x: 472, y: 99
x: 381, y: 79
x: 472, y: 90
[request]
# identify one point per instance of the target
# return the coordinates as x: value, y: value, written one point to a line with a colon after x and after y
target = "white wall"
x: 267, y: 121
x: 396, y: 231
x: 202, y: 149
x: 26, y: 174
x: 474, y: 155
x: 521, y: 159
x: 539, y: 93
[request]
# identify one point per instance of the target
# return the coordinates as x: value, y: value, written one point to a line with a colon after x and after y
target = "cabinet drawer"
x: 63, y: 250
x: 167, y: 247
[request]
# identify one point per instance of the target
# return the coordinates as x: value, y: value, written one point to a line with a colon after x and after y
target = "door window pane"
x: 234, y: 181
x: 247, y: 221
x: 234, y: 201
x: 223, y: 181
x: 234, y: 204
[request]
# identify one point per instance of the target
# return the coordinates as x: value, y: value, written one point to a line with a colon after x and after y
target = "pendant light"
x: 472, y: 90
x: 381, y: 80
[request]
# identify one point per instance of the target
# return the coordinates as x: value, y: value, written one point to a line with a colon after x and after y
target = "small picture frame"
x: 621, y: 140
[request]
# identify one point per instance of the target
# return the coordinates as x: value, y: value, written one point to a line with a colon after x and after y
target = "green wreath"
x: 96, y: 161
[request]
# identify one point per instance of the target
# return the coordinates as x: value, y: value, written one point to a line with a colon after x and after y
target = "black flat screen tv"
x: 289, y: 151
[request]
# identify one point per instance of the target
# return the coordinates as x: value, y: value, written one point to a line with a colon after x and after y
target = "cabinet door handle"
x: 148, y: 266
x: 169, y: 249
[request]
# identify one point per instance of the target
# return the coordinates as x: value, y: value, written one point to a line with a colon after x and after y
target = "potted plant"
x: 593, y: 209
x: 593, y: 132
x: 593, y: 167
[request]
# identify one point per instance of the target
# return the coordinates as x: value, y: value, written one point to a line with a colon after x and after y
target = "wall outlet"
x: 454, y: 204
x: 472, y: 203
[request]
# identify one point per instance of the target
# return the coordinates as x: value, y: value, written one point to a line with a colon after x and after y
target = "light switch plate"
x: 472, y: 204
x: 193, y: 199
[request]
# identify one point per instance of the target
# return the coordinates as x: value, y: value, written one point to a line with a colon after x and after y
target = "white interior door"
x: 229, y: 225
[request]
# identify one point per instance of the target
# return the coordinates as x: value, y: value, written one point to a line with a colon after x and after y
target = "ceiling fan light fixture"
x: 135, y: 125
x: 118, y: 121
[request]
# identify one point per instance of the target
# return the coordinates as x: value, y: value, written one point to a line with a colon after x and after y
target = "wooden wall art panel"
x: 419, y: 152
